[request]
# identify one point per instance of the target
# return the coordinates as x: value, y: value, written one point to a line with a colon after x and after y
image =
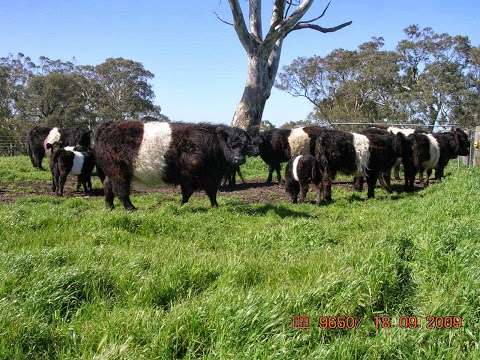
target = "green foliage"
x: 429, y: 78
x: 171, y: 281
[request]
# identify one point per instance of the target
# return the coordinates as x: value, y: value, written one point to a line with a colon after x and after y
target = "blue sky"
x: 198, y: 63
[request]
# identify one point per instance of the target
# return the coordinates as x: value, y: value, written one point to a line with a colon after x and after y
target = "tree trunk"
x: 255, y: 94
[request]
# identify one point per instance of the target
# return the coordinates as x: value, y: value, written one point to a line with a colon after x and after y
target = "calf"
x: 70, y: 161
x: 194, y: 156
x: 300, y: 172
x: 354, y: 154
x: 39, y: 137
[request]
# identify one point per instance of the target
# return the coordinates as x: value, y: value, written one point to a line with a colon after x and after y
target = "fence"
x: 11, y: 146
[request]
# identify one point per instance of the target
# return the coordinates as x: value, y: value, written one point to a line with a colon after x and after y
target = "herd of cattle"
x: 200, y: 156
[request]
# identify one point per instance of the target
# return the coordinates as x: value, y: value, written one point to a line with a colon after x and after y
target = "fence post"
x: 476, y: 147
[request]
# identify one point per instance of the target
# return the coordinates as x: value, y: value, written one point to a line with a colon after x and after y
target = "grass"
x: 80, y: 282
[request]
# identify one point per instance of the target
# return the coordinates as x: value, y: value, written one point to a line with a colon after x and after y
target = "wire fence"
x: 12, y: 146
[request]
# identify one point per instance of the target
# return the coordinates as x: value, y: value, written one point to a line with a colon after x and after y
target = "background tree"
x: 125, y: 90
x: 430, y: 79
x: 263, y: 53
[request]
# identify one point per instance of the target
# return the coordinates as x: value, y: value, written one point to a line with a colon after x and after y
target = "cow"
x: 406, y: 158
x: 194, y: 156
x: 354, y: 154
x: 425, y: 156
x: 39, y: 137
x: 452, y: 144
x: 253, y: 142
x: 299, y: 173
x: 70, y: 160
x: 274, y: 150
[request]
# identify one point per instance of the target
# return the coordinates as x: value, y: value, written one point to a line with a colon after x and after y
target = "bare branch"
x: 220, y: 19
x: 279, y: 31
x: 240, y: 28
x: 320, y: 28
x: 318, y: 17
x: 255, y: 11
x: 290, y: 3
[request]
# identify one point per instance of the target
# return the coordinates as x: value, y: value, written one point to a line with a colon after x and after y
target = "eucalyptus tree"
x: 264, y: 52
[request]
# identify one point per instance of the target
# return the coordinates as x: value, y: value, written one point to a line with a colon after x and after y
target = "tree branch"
x: 279, y: 31
x: 255, y: 14
x: 277, y: 13
x: 244, y: 36
x: 221, y: 20
x: 320, y: 28
x: 318, y: 17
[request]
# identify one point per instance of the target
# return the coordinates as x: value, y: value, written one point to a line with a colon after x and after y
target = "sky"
x: 198, y: 62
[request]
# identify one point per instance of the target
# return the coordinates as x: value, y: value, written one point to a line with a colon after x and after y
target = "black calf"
x: 70, y: 161
x: 299, y: 173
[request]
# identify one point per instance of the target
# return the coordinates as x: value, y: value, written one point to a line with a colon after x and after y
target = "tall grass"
x: 78, y: 281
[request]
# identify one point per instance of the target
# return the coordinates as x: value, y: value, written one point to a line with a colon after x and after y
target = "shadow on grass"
x: 248, y: 185
x: 280, y: 210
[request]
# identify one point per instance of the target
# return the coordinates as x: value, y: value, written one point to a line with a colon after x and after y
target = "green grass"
x: 80, y: 282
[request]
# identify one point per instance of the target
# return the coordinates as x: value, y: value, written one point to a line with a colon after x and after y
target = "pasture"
x: 171, y: 281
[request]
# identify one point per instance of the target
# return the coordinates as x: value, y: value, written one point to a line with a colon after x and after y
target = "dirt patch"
x: 254, y: 191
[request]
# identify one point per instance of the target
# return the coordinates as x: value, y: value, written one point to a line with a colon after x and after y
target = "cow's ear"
x: 49, y: 146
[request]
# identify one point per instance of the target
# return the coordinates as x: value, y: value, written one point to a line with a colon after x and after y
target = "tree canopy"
x: 429, y: 79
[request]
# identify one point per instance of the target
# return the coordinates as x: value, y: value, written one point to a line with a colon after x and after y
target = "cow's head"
x: 254, y: 141
x: 234, y: 144
x: 402, y: 145
x: 462, y: 142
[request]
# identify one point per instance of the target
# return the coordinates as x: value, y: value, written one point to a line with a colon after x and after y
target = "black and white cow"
x: 70, y: 160
x: 301, y: 170
x: 452, y: 144
x: 39, y: 137
x: 194, y: 156
x: 425, y: 156
x: 354, y: 154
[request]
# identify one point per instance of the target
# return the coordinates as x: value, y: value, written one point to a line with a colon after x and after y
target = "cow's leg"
x: 387, y: 176
x: 429, y: 173
x: 420, y: 176
x: 55, y: 176
x: 187, y: 191
x: 358, y: 183
x: 371, y: 182
x: 121, y: 188
x: 240, y: 175
x: 79, y: 182
x: 212, y: 195
x: 327, y: 187
x: 410, y: 174
x: 270, y: 174
x: 108, y: 190
x: 303, y: 191
x: 439, y: 173
x: 386, y: 186
x: 89, y: 183
x: 396, y: 172
x: 277, y: 169
x: 61, y: 183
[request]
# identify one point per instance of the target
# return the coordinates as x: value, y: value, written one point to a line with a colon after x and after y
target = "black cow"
x: 39, y: 137
x: 299, y: 173
x: 354, y: 154
x: 253, y: 142
x: 274, y: 150
x: 70, y: 160
x: 194, y: 156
